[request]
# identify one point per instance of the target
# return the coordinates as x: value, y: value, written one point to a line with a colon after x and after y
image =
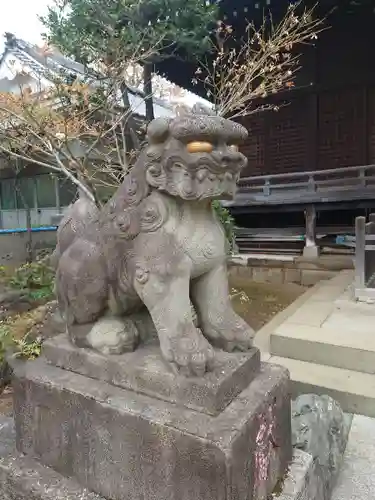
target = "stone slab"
x: 355, y: 391
x: 125, y: 445
x: 22, y: 478
x: 310, y: 276
x: 357, y: 478
x: 144, y: 371
x: 338, y: 343
x: 311, y: 313
x: 347, y: 302
x: 311, y: 252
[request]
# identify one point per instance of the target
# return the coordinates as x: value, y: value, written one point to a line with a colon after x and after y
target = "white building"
x: 24, y: 65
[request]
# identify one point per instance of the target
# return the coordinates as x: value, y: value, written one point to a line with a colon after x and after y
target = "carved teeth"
x: 228, y: 176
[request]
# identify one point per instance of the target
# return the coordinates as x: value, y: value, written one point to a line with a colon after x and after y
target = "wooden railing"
x: 365, y: 258
x: 314, y: 185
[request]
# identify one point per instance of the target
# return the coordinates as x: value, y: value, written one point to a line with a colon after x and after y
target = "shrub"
x: 227, y: 222
x: 35, y: 278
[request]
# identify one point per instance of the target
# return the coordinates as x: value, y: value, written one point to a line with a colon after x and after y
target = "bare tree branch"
x: 263, y: 63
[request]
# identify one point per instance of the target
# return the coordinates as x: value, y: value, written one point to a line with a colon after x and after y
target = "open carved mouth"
x: 203, y: 178
x: 205, y: 184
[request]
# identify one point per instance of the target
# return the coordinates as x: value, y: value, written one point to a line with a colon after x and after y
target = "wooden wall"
x: 328, y: 120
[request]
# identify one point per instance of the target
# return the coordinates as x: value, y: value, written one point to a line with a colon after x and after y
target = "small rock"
x: 319, y: 427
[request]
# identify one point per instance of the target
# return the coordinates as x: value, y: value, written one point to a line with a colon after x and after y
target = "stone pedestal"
x: 311, y: 252
x: 129, y: 429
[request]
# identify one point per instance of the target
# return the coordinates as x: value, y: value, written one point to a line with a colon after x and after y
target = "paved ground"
x: 357, y: 478
x: 315, y: 310
x: 325, y: 312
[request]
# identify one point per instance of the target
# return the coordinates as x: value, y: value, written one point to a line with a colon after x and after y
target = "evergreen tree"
x: 108, y: 32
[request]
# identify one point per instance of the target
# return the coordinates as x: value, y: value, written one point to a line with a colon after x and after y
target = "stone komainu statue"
x: 157, y: 244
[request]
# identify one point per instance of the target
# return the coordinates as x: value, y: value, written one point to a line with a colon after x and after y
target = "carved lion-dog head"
x: 195, y: 156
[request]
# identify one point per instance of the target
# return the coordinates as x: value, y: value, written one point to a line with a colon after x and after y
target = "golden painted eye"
x: 199, y: 147
x: 233, y: 148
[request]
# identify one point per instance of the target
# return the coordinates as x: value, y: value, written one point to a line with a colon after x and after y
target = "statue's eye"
x: 233, y: 148
x: 200, y: 147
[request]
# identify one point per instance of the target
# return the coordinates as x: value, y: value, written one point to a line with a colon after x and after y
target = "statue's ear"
x: 201, y: 109
x: 158, y: 130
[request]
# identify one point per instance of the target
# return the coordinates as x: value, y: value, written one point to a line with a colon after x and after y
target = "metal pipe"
x: 25, y: 230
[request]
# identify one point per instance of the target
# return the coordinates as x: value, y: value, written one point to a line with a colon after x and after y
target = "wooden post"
x: 29, y: 243
x: 57, y: 193
x: 311, y: 249
x: 360, y: 244
x: 370, y: 253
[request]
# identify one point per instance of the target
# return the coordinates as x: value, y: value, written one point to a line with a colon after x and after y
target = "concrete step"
x: 340, y: 347
x: 355, y: 391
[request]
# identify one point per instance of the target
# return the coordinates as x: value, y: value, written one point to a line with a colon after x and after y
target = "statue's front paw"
x: 230, y: 333
x: 191, y: 355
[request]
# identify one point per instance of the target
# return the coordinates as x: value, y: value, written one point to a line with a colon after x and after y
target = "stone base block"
x: 22, y: 478
x: 125, y: 445
x: 144, y: 371
x: 311, y: 252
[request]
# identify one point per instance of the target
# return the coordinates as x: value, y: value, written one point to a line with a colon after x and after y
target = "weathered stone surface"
x: 311, y: 277
x: 158, y: 243
x: 311, y: 252
x: 268, y: 275
x: 146, y: 372
x: 357, y: 477
x: 124, y: 445
x: 22, y: 478
x: 320, y: 428
x: 292, y: 276
x: 300, y: 482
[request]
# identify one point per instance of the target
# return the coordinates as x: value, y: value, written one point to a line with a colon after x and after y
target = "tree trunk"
x: 130, y: 125
x: 147, y: 88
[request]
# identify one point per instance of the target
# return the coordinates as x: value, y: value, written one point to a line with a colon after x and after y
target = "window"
x: 25, y: 192
x: 8, y: 194
x: 46, y: 191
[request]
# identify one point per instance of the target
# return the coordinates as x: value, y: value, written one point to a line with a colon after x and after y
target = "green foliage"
x: 6, y: 341
x: 98, y: 30
x: 27, y: 348
x: 2, y: 272
x: 227, y: 221
x: 37, y: 279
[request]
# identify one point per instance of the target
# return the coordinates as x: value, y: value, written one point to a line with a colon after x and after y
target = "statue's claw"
x: 190, y: 355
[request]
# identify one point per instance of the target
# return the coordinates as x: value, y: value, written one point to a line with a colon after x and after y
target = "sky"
x: 21, y: 18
